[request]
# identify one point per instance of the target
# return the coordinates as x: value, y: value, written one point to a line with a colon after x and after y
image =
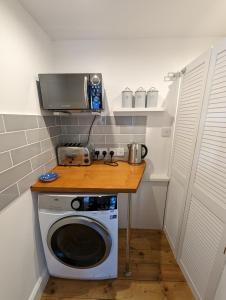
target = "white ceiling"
x: 119, y: 19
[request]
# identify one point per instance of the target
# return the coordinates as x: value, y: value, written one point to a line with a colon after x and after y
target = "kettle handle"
x: 146, y: 151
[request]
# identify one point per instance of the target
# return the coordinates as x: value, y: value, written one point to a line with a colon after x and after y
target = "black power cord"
x: 111, y: 162
x: 91, y: 126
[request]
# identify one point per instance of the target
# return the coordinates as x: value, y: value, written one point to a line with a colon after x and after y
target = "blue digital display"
x: 95, y: 203
x: 95, y: 96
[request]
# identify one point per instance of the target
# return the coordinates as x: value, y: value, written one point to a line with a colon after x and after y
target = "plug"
x: 104, y: 153
x: 112, y: 154
x: 97, y: 154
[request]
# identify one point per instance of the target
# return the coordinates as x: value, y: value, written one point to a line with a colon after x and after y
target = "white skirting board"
x: 39, y: 286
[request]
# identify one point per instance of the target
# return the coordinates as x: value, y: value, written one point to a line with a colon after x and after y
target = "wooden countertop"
x: 97, y: 178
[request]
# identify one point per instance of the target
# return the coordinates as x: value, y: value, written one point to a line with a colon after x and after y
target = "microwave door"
x: 64, y: 91
x: 79, y: 91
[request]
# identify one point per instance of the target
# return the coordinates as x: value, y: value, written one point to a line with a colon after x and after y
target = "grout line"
x: 10, y: 155
x: 3, y: 121
x: 73, y: 134
x: 32, y: 171
x: 26, y: 137
x: 20, y: 147
x: 31, y: 164
x: 25, y: 161
x: 14, y: 166
x: 37, y: 120
x: 15, y: 183
x: 21, y: 130
x: 17, y: 180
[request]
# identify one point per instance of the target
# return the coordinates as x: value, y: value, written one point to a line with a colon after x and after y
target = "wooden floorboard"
x: 155, y: 275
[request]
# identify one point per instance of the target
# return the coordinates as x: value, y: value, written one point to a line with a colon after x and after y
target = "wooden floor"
x: 155, y: 275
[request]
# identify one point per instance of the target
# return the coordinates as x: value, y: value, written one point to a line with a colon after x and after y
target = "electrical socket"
x: 117, y: 151
x: 101, y: 151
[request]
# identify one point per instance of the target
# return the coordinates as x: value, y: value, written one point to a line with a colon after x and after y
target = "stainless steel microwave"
x: 73, y: 91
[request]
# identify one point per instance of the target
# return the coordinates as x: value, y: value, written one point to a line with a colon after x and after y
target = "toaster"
x: 71, y: 154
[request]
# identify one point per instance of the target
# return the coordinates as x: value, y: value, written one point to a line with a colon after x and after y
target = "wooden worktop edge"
x: 62, y: 189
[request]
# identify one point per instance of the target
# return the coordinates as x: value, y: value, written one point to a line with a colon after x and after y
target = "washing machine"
x: 79, y: 235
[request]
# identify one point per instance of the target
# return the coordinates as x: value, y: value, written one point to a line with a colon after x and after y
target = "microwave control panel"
x: 95, y: 92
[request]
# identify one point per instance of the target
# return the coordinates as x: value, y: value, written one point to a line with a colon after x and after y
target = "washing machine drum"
x: 79, y: 242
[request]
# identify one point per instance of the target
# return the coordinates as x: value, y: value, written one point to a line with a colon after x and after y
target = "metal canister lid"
x: 140, y: 89
x: 152, y: 89
x: 126, y: 90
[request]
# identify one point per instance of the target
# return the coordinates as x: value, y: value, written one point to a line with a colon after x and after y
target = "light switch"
x: 166, y: 131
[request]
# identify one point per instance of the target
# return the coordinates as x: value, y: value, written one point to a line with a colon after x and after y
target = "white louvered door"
x: 186, y: 127
x: 201, y: 254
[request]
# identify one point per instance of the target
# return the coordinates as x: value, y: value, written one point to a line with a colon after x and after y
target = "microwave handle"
x: 86, y: 91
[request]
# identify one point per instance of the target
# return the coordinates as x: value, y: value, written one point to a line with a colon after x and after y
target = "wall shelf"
x: 157, y: 178
x: 137, y: 111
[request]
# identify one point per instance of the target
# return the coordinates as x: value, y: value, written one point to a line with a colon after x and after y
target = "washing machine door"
x: 79, y: 242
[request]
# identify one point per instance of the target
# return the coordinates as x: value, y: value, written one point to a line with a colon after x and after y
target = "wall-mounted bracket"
x: 172, y: 76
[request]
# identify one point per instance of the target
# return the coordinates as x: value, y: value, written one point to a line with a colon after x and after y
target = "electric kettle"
x: 137, y: 152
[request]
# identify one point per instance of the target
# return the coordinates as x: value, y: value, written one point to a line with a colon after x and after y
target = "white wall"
x: 24, y: 51
x: 221, y: 290
x: 133, y: 63
x: 22, y: 262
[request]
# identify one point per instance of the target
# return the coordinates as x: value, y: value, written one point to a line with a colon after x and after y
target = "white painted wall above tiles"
x: 24, y: 52
x: 132, y: 63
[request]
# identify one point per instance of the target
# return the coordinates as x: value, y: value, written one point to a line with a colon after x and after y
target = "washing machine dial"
x: 75, y: 204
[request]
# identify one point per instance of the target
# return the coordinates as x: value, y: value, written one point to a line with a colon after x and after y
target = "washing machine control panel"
x: 75, y: 204
x: 94, y: 203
